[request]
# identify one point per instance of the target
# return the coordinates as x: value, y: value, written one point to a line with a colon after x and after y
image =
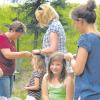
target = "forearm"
x: 48, y: 51
x: 32, y: 87
x: 14, y: 55
x: 45, y: 97
x: 76, y: 67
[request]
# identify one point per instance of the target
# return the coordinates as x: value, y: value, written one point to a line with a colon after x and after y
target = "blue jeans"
x: 6, y: 83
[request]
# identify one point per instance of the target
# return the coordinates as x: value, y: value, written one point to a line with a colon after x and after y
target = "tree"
x: 27, y: 14
x: 60, y: 3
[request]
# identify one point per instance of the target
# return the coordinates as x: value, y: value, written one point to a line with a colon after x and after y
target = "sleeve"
x: 4, y: 43
x: 37, y: 74
x: 84, y: 42
x: 54, y: 27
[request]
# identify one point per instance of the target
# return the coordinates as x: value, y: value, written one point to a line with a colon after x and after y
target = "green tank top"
x: 57, y: 92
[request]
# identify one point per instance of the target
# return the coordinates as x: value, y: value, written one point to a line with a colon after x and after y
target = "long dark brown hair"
x: 58, y: 56
x: 86, y: 12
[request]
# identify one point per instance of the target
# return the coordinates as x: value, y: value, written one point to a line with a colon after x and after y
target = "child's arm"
x: 35, y: 86
x: 69, y: 83
x: 45, y: 88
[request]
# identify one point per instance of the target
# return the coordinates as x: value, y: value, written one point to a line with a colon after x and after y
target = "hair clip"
x: 39, y: 8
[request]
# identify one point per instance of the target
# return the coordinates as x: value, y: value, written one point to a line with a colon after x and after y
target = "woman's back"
x: 91, y: 75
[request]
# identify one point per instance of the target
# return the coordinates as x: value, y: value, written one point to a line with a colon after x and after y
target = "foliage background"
x: 25, y: 13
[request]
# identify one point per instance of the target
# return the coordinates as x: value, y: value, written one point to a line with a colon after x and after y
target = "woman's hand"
x: 27, y: 54
x: 36, y: 51
x: 26, y: 88
x: 68, y: 56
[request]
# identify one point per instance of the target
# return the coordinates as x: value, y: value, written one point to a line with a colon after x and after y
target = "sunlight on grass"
x: 20, y: 93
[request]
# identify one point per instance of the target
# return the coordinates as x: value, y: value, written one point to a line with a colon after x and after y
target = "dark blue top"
x: 87, y: 85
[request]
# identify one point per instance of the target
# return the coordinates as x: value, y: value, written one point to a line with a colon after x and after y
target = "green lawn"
x: 21, y: 79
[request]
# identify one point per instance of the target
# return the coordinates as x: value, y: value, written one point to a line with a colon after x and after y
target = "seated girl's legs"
x: 5, y: 86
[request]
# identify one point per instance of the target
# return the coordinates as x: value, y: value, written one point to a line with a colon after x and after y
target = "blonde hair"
x: 39, y: 63
x: 46, y: 14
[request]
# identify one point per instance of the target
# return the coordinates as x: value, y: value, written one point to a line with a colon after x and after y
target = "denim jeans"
x: 6, y: 83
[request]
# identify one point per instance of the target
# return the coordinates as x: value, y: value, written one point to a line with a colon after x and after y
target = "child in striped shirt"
x: 34, y: 85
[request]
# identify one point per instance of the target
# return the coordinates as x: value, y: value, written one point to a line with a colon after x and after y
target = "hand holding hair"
x: 68, y: 56
x: 27, y: 54
x: 36, y: 51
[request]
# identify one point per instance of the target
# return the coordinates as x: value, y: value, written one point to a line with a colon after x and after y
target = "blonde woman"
x: 34, y: 86
x: 54, y: 38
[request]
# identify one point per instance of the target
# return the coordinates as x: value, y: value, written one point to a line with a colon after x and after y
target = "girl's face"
x: 56, y: 67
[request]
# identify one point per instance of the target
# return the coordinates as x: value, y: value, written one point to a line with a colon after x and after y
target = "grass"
x: 21, y: 79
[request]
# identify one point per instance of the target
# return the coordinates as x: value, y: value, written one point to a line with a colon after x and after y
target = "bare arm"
x: 35, y: 86
x: 69, y: 83
x: 68, y: 56
x: 78, y: 64
x: 45, y: 88
x: 13, y: 55
x: 53, y: 45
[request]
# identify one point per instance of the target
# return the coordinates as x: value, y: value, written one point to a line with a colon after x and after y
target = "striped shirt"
x: 36, y: 93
